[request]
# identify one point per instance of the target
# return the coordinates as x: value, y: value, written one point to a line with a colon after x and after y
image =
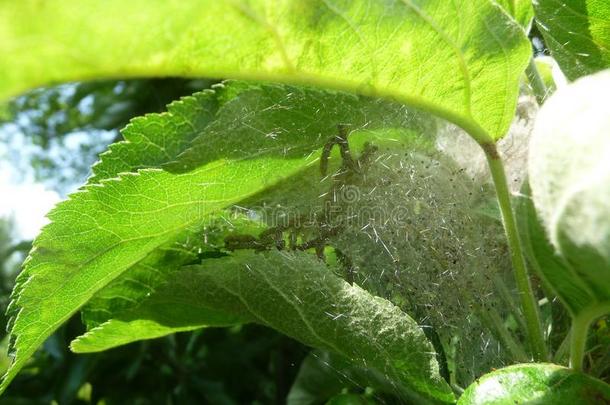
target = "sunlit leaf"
x: 154, y: 139
x: 461, y: 59
x: 521, y: 10
x: 535, y: 384
x: 577, y: 32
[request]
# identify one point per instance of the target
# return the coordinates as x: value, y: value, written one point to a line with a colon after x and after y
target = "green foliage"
x: 577, y: 32
x: 297, y: 295
x: 521, y: 10
x: 462, y: 61
x: 330, y: 217
x: 535, y: 384
x: 157, y: 206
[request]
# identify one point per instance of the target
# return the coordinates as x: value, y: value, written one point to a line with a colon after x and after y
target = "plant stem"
x: 526, y: 293
x: 579, y: 332
x: 538, y: 86
x: 578, y: 341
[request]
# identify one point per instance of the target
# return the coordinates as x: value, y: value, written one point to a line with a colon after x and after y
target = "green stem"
x: 526, y: 293
x: 538, y: 86
x: 579, y: 332
x: 578, y: 341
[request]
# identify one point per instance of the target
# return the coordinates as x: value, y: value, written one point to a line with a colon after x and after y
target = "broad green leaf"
x: 107, y: 228
x: 536, y: 384
x: 521, y: 10
x: 299, y: 296
x: 255, y: 140
x: 577, y: 32
x: 570, y: 182
x: 461, y: 60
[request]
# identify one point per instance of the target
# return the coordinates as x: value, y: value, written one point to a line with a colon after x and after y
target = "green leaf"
x: 255, y: 140
x: 461, y: 60
x: 155, y: 139
x: 137, y: 282
x: 521, y: 10
x: 299, y: 296
x: 107, y: 228
x: 535, y: 384
x: 570, y: 182
x: 577, y: 32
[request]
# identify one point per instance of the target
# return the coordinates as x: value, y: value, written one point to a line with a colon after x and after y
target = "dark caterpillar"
x: 348, y: 163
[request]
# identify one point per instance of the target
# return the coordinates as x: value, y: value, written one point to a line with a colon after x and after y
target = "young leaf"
x: 577, y: 32
x: 296, y: 294
x: 571, y: 288
x: 156, y: 139
x: 535, y: 384
x: 570, y: 178
x: 461, y: 60
x: 105, y: 229
x: 255, y: 140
